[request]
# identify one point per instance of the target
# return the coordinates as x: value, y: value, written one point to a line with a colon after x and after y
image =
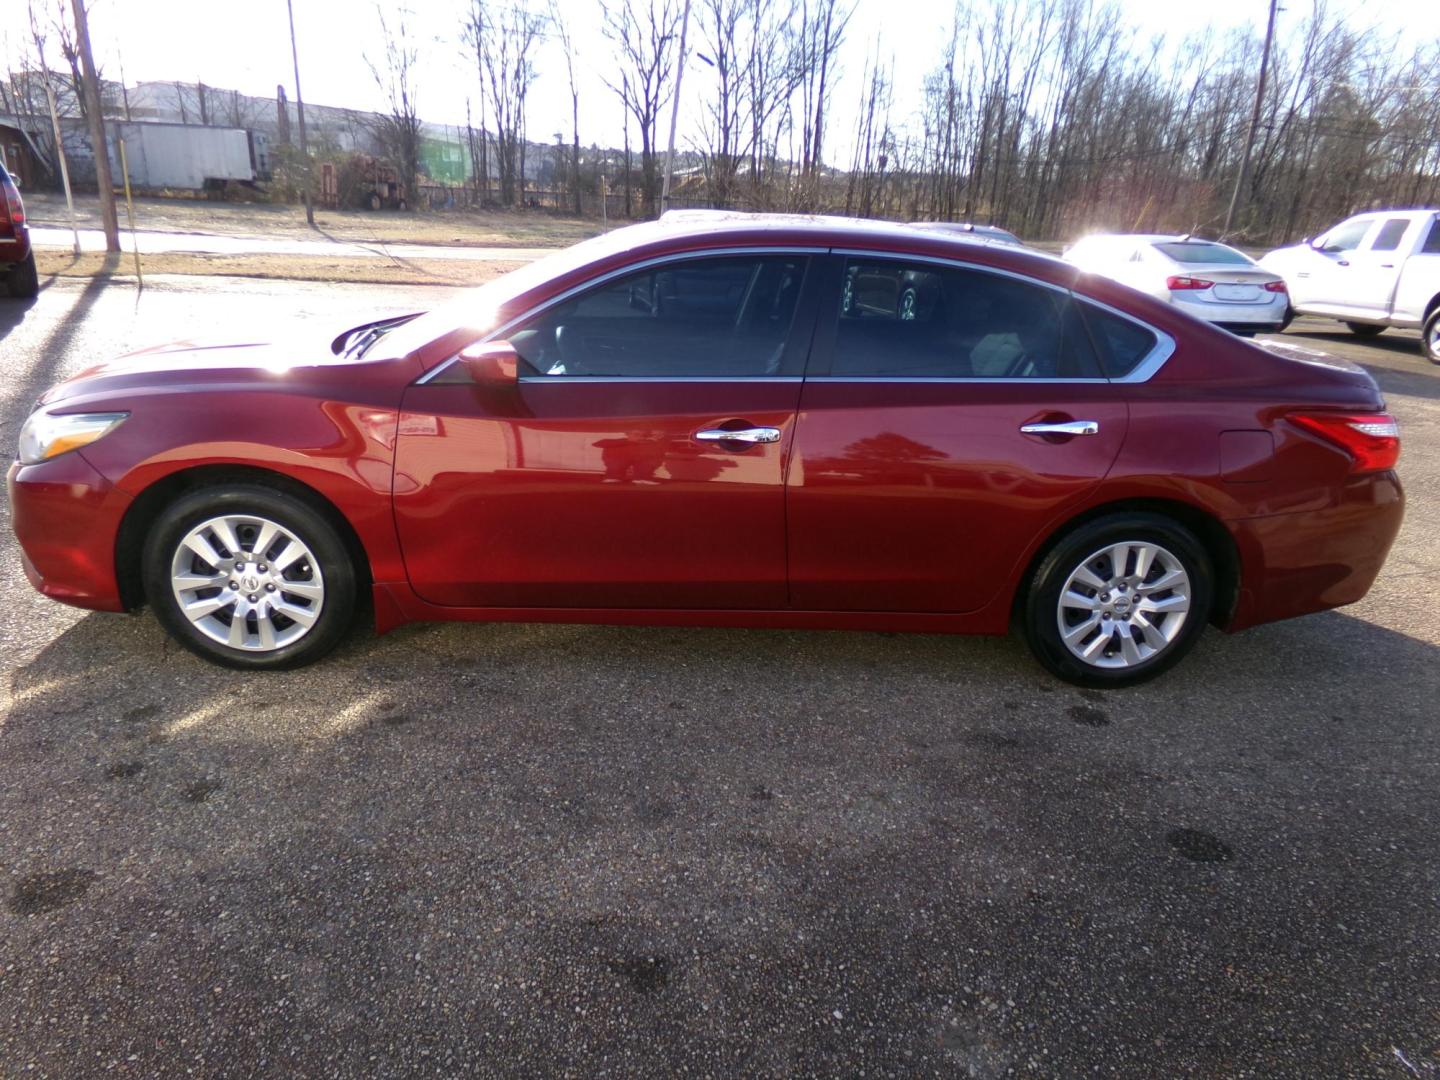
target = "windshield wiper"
x: 356, y: 343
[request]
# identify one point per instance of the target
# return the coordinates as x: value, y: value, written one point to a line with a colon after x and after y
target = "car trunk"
x: 1236, y: 285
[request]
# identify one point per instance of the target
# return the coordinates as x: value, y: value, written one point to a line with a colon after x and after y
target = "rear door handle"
x: 1068, y: 427
x: 745, y: 435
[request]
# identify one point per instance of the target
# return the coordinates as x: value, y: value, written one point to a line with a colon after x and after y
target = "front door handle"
x: 1068, y: 427
x: 744, y: 435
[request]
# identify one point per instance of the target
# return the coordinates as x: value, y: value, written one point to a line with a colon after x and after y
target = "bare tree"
x: 821, y: 33
x: 643, y: 32
x: 398, y: 129
x: 504, y: 44
x: 562, y: 31
x: 474, y: 32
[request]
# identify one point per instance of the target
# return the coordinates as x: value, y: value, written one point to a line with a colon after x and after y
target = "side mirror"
x: 492, y: 363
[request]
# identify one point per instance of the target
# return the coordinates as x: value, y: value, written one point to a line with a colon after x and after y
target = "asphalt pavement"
x: 590, y: 851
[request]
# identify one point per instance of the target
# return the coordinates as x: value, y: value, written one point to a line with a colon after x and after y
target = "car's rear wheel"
x: 249, y: 577
x: 1365, y: 329
x: 1119, y: 600
x: 1430, y: 337
x: 23, y: 280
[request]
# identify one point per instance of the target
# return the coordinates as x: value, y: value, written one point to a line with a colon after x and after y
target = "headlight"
x: 44, y: 436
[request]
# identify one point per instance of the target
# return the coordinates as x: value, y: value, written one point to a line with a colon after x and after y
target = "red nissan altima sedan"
x: 725, y: 420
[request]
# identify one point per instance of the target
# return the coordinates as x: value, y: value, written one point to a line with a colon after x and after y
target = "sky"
x: 247, y: 48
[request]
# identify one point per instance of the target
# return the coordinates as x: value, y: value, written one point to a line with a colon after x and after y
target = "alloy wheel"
x: 1124, y: 604
x: 247, y: 582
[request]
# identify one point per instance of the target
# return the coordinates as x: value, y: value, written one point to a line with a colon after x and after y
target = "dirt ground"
x: 462, y: 228
x: 379, y: 270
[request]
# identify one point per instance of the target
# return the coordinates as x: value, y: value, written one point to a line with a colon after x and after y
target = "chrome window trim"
x: 622, y: 271
x: 556, y: 380
x: 947, y: 379
x: 1152, y: 362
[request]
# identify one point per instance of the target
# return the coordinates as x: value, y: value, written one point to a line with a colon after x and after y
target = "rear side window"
x: 923, y: 320
x: 1388, y: 238
x: 1123, y: 344
x: 726, y: 317
x: 1432, y: 242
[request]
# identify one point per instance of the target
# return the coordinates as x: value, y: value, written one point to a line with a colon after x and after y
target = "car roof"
x: 680, y: 229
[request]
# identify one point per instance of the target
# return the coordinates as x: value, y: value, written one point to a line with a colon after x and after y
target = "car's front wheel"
x: 1118, y: 600
x: 249, y: 577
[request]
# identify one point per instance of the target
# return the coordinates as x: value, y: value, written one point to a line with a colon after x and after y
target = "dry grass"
x: 378, y: 271
x: 460, y: 228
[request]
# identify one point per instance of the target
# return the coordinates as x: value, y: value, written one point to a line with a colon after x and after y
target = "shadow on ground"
x: 551, y: 849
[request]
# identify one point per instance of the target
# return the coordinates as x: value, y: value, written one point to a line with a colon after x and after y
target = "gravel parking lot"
x: 590, y: 851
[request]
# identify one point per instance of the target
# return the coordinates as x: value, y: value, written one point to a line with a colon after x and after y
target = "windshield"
x: 477, y: 308
x: 1197, y: 253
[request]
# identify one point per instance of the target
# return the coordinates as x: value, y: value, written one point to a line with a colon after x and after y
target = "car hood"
x: 183, y: 363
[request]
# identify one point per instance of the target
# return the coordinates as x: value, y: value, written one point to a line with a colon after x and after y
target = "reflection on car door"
x: 913, y: 485
x: 606, y: 479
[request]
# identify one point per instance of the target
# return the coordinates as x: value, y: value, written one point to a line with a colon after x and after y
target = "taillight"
x: 14, y: 205
x: 1371, y: 439
x: 1179, y: 284
x: 1275, y: 286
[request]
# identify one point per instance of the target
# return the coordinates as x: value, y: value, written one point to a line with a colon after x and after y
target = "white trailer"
x: 181, y: 156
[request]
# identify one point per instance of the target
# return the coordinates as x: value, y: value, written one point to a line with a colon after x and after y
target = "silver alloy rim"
x: 1124, y: 604
x: 247, y: 582
x: 1435, y: 338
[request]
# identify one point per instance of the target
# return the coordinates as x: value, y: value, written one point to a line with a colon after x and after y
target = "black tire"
x: 1040, y: 610
x: 303, y: 522
x: 1430, y: 337
x: 23, y: 280
x: 1289, y: 318
x: 1365, y: 329
x: 374, y: 201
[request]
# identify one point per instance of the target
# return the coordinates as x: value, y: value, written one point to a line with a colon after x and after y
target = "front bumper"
x: 1295, y: 564
x: 66, y: 517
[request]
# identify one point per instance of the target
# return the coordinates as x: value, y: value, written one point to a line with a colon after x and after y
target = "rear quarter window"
x: 1122, y: 344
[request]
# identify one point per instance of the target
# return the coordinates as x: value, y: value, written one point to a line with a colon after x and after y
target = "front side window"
x: 1388, y: 238
x: 923, y: 320
x: 722, y: 317
x: 1347, y: 235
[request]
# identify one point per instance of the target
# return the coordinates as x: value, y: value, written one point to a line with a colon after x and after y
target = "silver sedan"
x: 1209, y: 280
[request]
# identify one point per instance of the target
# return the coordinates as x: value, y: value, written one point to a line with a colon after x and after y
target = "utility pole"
x: 1244, y: 173
x: 300, y: 113
x: 675, y: 112
x: 109, y: 218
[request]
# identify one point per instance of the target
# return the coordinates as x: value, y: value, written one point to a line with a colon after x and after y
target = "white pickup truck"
x: 1371, y: 271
